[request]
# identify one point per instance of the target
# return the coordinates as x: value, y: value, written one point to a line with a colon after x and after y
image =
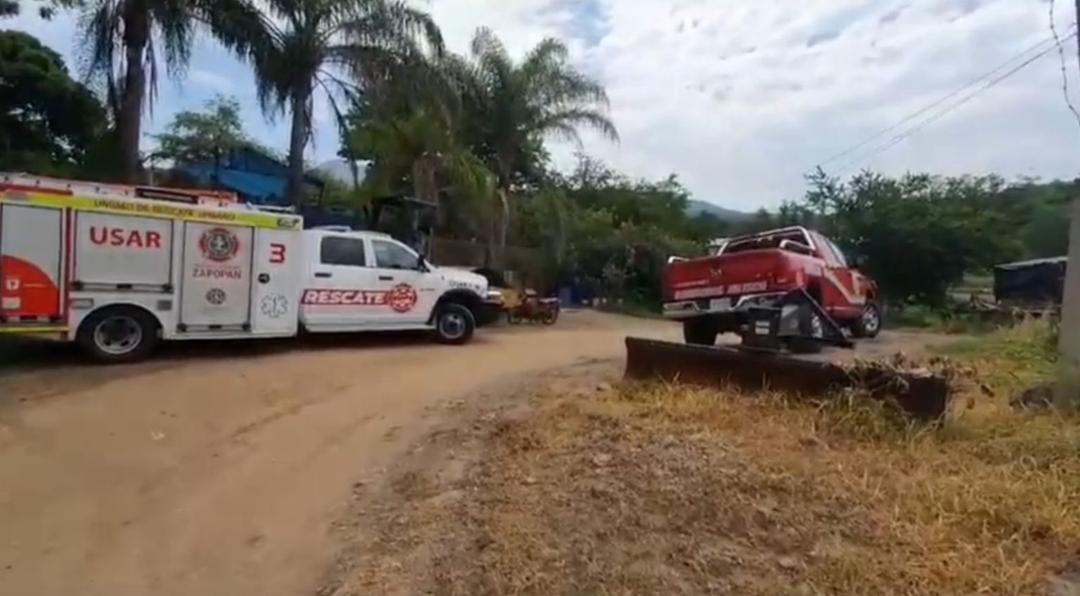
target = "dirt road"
x: 210, y: 471
x: 220, y: 468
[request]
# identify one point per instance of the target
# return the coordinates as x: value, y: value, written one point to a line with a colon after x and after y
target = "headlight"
x: 493, y: 296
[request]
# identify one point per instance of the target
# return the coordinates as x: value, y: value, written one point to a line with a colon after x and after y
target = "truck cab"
x: 368, y: 281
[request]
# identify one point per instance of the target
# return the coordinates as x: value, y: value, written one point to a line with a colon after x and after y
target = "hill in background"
x: 695, y: 207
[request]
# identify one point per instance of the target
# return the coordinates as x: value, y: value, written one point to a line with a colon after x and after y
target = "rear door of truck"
x: 33, y: 288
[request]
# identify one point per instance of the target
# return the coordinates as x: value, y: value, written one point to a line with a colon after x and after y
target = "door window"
x: 339, y: 250
x: 391, y: 255
x: 839, y: 254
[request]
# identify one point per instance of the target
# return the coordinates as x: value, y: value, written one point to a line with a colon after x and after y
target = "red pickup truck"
x: 713, y: 294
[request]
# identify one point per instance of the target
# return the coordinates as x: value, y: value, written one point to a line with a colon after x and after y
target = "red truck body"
x: 757, y: 270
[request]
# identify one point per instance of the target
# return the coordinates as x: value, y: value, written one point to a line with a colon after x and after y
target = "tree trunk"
x: 294, y: 187
x: 500, y: 223
x: 504, y: 225
x: 133, y: 92
x: 425, y: 187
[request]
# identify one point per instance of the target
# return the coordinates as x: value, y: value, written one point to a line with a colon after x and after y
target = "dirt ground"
x: 240, y: 468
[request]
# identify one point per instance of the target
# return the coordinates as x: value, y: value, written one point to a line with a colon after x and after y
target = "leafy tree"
x: 305, y: 42
x: 122, y: 40
x: 47, y: 120
x: 510, y: 107
x: 46, y: 8
x: 1042, y: 211
x: 207, y: 136
x: 918, y: 233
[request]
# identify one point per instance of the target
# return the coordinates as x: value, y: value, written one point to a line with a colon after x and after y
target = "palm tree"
x: 513, y: 106
x: 309, y: 44
x: 122, y: 40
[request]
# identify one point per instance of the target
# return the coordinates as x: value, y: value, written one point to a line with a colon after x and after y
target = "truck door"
x: 340, y: 293
x: 279, y: 269
x: 410, y: 292
x: 216, y: 286
x: 31, y: 260
x: 841, y: 296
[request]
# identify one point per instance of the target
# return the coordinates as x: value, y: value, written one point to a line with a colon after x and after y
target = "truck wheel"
x: 118, y: 334
x: 869, y: 323
x: 699, y: 332
x: 454, y: 324
x: 812, y: 330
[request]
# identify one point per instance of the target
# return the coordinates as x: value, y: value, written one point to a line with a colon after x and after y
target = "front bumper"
x: 723, y: 305
x: 489, y: 310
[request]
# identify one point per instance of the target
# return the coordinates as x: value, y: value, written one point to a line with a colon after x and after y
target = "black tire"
x: 869, y: 324
x: 811, y: 327
x: 551, y: 317
x: 119, y: 334
x: 699, y: 332
x: 454, y: 324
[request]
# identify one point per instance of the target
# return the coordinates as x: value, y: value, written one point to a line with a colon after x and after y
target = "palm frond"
x: 493, y: 62
x: 390, y: 24
x: 174, y: 24
x: 100, y: 26
x: 559, y: 123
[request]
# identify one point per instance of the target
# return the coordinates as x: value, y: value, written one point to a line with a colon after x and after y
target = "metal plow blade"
x: 922, y: 395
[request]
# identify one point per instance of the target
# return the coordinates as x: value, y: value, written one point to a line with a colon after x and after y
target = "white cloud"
x: 210, y: 80
x: 740, y: 97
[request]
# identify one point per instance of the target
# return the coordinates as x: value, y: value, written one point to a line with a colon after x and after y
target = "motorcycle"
x: 533, y: 309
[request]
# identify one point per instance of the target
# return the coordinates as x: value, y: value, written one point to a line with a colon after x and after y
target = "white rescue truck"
x: 118, y: 269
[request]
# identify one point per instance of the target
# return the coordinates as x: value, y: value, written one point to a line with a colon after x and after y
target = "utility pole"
x: 1068, y: 386
x: 1078, y: 23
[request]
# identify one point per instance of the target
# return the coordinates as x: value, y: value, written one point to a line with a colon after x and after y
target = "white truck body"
x: 203, y: 269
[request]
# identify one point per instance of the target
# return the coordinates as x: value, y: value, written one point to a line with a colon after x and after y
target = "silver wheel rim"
x: 870, y: 320
x: 118, y: 335
x: 452, y: 325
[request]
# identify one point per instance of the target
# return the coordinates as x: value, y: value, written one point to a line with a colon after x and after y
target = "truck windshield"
x: 764, y: 241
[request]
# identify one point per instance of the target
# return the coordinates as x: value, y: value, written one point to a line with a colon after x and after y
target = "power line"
x: 1064, y: 72
x: 948, y: 109
x: 870, y: 139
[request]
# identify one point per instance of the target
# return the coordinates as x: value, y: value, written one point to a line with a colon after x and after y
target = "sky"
x: 740, y: 98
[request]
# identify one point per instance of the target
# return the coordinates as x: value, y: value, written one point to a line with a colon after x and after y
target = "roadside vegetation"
x: 670, y: 489
x: 470, y: 131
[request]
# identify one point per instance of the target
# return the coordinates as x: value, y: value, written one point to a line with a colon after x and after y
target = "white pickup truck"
x: 118, y: 269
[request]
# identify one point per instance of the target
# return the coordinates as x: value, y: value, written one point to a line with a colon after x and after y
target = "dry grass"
x: 660, y: 489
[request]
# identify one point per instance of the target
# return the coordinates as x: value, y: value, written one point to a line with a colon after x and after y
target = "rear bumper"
x: 722, y: 305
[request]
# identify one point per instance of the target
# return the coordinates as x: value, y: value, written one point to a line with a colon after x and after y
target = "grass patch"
x: 1011, y: 358
x: 918, y: 316
x: 667, y: 489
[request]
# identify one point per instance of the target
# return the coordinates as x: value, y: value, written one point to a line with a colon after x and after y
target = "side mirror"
x: 422, y: 264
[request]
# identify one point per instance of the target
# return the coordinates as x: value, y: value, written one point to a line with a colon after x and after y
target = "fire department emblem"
x: 219, y: 245
x: 216, y: 296
x: 401, y: 298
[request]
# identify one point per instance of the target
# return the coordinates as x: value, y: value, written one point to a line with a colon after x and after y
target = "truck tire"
x: 699, y: 332
x: 118, y: 334
x: 812, y: 329
x: 869, y: 324
x: 454, y: 324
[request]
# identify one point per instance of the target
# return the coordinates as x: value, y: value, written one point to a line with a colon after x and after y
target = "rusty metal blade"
x: 923, y: 396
